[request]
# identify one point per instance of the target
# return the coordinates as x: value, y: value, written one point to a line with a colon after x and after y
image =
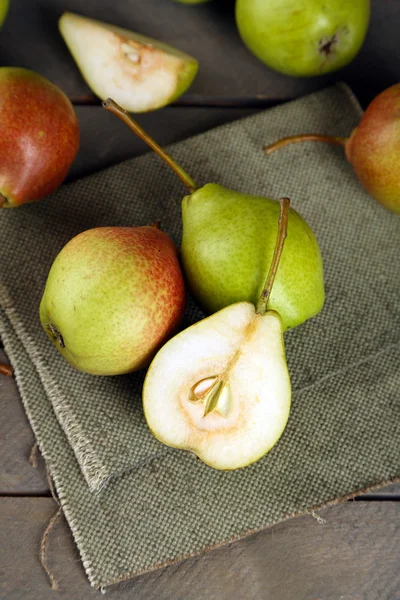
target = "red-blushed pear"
x: 221, y: 388
x: 113, y: 296
x: 373, y: 148
x: 39, y: 136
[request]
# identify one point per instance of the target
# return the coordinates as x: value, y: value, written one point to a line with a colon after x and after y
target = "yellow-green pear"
x: 113, y: 296
x: 306, y: 37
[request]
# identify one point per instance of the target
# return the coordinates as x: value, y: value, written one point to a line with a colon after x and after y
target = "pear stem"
x: 305, y: 137
x: 114, y: 108
x: 6, y: 370
x: 280, y: 240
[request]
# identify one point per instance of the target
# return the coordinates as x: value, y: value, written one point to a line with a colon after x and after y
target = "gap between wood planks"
x: 199, y: 102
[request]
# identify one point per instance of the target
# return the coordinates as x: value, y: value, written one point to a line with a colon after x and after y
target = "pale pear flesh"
x: 238, y: 357
x: 140, y: 73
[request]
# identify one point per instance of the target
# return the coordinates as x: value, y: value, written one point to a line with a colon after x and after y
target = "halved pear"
x: 221, y: 388
x: 142, y: 74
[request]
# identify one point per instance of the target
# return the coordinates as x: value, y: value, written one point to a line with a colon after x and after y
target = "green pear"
x: 112, y: 298
x: 141, y: 73
x: 306, y: 37
x: 221, y: 388
x: 227, y: 246
x: 3, y: 10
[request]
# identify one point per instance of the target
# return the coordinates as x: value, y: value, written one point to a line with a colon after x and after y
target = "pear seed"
x: 212, y: 397
x: 202, y: 387
x: 224, y: 402
x: 130, y: 53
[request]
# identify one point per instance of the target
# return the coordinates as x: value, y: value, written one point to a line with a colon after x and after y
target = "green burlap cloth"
x: 132, y: 503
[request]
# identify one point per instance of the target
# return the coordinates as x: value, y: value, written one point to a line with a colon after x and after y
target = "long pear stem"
x: 114, y: 108
x: 6, y: 370
x: 280, y: 240
x: 305, y: 137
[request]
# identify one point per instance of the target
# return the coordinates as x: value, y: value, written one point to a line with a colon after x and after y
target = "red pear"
x: 373, y: 149
x: 39, y: 136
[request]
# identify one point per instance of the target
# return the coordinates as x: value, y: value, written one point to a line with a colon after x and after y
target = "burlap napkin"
x: 132, y: 503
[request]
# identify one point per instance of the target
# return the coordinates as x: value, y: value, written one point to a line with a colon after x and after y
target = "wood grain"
x: 353, y: 555
x: 17, y: 476
x: 229, y: 73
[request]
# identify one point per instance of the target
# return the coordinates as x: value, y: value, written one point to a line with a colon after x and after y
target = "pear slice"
x: 221, y: 388
x: 142, y: 74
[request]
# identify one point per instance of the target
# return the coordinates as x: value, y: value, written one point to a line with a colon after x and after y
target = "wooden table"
x: 349, y: 551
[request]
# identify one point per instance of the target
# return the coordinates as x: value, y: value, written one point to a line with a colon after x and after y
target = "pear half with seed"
x: 221, y: 388
x: 142, y: 74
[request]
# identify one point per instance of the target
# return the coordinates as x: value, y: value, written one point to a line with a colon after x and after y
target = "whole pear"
x: 3, y: 10
x: 373, y: 148
x: 228, y: 242
x: 306, y: 37
x: 227, y: 246
x: 39, y: 136
x: 112, y: 298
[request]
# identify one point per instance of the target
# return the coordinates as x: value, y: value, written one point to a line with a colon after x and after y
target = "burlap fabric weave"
x: 132, y: 503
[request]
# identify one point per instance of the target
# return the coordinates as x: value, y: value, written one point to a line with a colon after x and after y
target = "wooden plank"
x: 105, y: 140
x: 352, y: 554
x: 17, y: 476
x: 229, y: 72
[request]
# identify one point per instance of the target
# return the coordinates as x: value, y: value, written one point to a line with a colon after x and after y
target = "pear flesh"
x: 221, y: 388
x: 142, y: 74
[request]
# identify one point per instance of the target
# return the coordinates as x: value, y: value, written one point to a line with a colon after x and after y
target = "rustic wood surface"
x: 105, y: 140
x: 351, y: 554
x: 355, y: 554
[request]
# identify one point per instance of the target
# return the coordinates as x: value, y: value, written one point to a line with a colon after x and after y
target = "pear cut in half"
x: 142, y: 74
x: 221, y: 388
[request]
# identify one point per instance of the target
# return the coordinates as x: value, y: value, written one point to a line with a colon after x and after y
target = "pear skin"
x: 373, y: 148
x: 39, y: 139
x: 113, y: 296
x: 227, y: 246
